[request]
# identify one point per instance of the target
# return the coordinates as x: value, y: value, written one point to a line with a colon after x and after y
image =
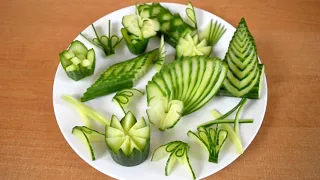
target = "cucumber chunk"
x: 128, y: 140
x: 74, y: 61
x: 190, y: 46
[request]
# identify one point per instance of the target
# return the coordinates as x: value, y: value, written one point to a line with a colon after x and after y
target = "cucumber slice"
x: 113, y: 79
x: 124, y: 97
x: 212, y: 33
x: 190, y: 46
x: 177, y: 151
x: 87, y: 135
x: 173, y: 115
x: 191, y: 15
x: 78, y: 47
x: 244, y: 76
x: 86, y: 112
x: 128, y: 140
x: 193, y: 81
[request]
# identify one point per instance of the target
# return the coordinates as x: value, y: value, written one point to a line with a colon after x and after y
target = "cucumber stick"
x: 212, y: 32
x: 172, y: 26
x: 212, y: 139
x: 124, y: 97
x: 177, y: 152
x: 137, y: 31
x: 128, y: 140
x: 86, y: 112
x: 106, y: 43
x: 77, y: 61
x: 244, y: 78
x: 191, y: 46
x: 120, y: 76
x: 87, y: 136
x: 183, y: 87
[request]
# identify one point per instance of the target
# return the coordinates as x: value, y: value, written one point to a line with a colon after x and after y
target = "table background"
x: 33, y: 32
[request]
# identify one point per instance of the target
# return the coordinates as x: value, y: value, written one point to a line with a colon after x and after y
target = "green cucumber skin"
x: 135, y: 158
x: 169, y: 35
x: 124, y: 79
x: 137, y: 48
x: 254, y: 93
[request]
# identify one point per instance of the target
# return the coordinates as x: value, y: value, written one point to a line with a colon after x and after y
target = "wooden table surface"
x: 33, y: 32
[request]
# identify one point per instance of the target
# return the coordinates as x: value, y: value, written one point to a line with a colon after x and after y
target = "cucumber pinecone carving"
x: 244, y: 78
x: 183, y: 87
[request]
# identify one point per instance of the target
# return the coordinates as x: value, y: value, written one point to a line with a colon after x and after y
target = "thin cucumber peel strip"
x: 86, y: 112
x: 106, y: 43
x: 124, y: 97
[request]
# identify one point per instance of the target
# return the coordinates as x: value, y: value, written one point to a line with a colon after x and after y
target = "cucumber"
x: 87, y: 135
x: 135, y: 45
x: 162, y: 55
x: 178, y: 152
x: 124, y: 97
x: 172, y: 27
x: 212, y: 139
x: 244, y: 78
x: 86, y: 112
x: 128, y: 140
x: 120, y: 76
x: 212, y: 32
x: 191, y: 15
x: 188, y: 83
x: 190, y: 46
x: 77, y: 61
x: 106, y: 43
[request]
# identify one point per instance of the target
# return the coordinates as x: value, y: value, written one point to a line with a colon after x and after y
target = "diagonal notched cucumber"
x: 120, y: 76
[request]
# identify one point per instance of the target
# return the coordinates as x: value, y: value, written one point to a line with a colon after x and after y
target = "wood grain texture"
x: 32, y: 33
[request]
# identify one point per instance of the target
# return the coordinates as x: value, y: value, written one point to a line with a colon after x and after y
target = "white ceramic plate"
x: 67, y: 117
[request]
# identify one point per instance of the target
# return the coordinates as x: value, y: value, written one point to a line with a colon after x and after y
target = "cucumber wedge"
x: 244, y: 78
x: 212, y: 33
x: 124, y: 97
x: 77, y: 61
x: 177, y: 152
x: 212, y: 139
x: 120, y: 76
x: 87, y: 135
x: 183, y: 87
x: 190, y: 46
x: 128, y: 140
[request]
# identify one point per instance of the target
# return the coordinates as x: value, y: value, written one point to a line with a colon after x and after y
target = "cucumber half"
x: 124, y: 97
x: 191, y: 46
x: 120, y: 76
x: 177, y: 152
x: 87, y: 136
x: 244, y: 78
x: 183, y: 87
x: 77, y: 61
x: 128, y: 140
x: 212, y: 139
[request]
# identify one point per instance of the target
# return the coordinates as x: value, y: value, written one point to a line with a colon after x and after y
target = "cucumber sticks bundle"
x: 172, y: 26
x: 120, y: 76
x: 244, y: 78
x: 106, y: 43
x: 78, y: 62
x: 183, y: 87
x: 128, y: 140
